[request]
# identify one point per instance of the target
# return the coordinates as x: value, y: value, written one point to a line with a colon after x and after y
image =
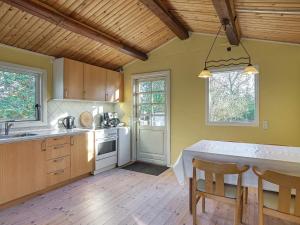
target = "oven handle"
x: 101, y: 140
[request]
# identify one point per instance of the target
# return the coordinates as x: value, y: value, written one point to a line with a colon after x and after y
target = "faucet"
x: 8, y: 125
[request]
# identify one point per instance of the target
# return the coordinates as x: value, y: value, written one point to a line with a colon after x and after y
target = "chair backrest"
x: 286, y: 183
x: 217, y: 170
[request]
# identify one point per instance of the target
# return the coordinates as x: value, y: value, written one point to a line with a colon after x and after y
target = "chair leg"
x: 194, y: 208
x: 246, y: 195
x: 237, y: 212
x: 260, y: 216
x: 241, y: 210
x: 203, y: 204
x: 190, y: 194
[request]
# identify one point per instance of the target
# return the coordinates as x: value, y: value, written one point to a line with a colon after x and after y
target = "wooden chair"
x: 213, y: 186
x: 283, y: 204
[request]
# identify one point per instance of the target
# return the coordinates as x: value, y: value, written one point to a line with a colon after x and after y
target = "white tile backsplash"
x: 58, y: 109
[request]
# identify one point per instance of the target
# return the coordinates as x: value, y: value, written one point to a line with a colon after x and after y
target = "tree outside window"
x: 232, y: 98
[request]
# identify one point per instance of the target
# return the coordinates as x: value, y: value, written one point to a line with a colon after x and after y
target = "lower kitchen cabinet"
x: 30, y: 166
x: 82, y: 154
x: 22, y: 169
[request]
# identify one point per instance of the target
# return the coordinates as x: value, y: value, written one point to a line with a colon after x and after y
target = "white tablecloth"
x: 279, y: 158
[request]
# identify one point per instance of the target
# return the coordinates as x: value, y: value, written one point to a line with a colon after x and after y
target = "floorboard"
x: 123, y: 197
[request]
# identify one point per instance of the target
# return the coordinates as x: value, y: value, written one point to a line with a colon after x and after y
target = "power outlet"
x: 265, y: 124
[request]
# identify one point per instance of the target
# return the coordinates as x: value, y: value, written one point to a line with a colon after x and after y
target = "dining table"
x: 284, y: 159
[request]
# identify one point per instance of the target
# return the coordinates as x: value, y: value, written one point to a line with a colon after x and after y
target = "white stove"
x: 106, y: 147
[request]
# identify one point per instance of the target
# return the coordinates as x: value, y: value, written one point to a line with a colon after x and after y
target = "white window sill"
x: 233, y: 124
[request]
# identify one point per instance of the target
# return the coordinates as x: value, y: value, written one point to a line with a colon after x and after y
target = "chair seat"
x: 271, y: 201
x: 229, y: 189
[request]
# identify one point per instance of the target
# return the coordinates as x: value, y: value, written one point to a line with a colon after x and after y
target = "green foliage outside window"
x: 232, y: 97
x: 17, y: 95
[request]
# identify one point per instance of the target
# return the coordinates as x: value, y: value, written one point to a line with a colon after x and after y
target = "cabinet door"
x: 73, y: 79
x: 94, y: 82
x: 82, y: 154
x: 22, y: 169
x: 114, y: 86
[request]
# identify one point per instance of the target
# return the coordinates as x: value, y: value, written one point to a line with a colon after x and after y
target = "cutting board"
x: 86, y: 119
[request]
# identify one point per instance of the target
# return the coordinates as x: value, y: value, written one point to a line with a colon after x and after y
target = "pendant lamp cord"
x: 246, y: 52
x: 211, y: 47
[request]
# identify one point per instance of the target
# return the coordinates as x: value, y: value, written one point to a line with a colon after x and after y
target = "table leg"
x: 190, y: 193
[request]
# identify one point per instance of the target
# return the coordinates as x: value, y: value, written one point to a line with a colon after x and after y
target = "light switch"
x: 265, y: 124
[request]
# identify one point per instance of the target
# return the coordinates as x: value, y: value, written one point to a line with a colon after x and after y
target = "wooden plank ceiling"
x: 275, y: 20
x: 126, y: 20
x: 130, y: 22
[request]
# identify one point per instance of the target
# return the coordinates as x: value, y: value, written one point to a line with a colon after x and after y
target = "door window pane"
x: 158, y: 121
x: 158, y: 97
x: 158, y: 85
x: 144, y: 86
x: 144, y: 120
x: 158, y: 109
x: 151, y: 100
x: 145, y: 109
x: 144, y: 98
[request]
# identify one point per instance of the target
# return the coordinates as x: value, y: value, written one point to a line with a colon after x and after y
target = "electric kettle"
x: 69, y: 122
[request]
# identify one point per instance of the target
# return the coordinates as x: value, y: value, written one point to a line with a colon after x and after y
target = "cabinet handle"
x: 66, y: 93
x: 43, y: 146
x: 58, y: 160
x: 59, y: 146
x: 59, y: 172
x: 72, y: 141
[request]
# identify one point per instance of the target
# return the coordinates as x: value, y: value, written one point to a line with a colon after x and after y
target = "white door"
x: 151, y: 105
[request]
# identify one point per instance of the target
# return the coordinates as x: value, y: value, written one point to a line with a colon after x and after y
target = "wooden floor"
x: 120, y: 197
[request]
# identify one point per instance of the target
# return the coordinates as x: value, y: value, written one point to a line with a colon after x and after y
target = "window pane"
x: 145, y: 109
x: 144, y: 98
x: 17, y: 95
x: 144, y: 120
x: 158, y: 120
x: 158, y: 109
x: 158, y: 97
x: 232, y: 97
x: 158, y: 85
x: 144, y: 86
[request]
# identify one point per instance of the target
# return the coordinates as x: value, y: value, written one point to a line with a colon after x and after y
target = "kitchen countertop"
x: 41, y: 134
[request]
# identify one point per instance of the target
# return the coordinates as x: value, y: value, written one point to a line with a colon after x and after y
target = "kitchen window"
x: 22, y: 95
x: 232, y: 98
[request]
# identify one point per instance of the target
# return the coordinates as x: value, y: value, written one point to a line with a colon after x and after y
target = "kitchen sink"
x: 17, y: 135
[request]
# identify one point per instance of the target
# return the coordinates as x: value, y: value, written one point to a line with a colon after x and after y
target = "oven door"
x: 106, y: 147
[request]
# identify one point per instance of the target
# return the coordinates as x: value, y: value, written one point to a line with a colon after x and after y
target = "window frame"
x: 255, y: 123
x: 41, y: 94
x: 137, y: 103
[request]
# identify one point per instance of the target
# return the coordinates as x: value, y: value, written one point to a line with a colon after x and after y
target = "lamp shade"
x: 250, y: 70
x: 205, y: 73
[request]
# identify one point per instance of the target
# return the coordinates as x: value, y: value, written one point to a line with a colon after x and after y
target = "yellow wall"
x: 279, y: 80
x: 26, y: 58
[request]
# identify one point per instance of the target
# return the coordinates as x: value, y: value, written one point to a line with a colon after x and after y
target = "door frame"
x: 166, y: 74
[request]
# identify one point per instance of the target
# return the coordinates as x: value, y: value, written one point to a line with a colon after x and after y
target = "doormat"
x: 147, y: 168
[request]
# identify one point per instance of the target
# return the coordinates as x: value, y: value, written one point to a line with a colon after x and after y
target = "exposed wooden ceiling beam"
x: 226, y: 12
x: 53, y: 16
x: 166, y: 17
